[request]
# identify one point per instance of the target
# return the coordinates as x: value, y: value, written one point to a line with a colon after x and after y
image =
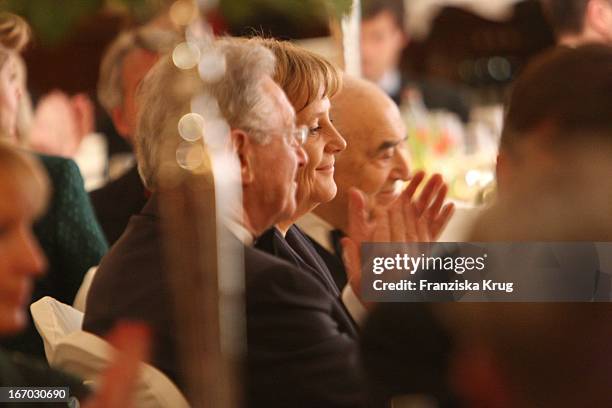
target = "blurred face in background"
x: 316, y: 179
x: 135, y: 67
x: 10, y: 93
x: 21, y: 259
x: 382, y: 43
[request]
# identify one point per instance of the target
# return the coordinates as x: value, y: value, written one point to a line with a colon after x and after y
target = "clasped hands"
x: 406, y: 219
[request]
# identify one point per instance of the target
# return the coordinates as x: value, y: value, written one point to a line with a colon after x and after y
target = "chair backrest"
x: 54, y: 321
x: 87, y: 356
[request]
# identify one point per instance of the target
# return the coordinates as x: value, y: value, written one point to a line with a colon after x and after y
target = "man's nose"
x: 29, y: 259
x: 401, y: 167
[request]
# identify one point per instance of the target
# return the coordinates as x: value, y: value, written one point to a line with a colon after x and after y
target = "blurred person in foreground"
x: 25, y: 191
x: 578, y: 22
x: 554, y: 145
x: 552, y: 149
x: 376, y: 162
x: 68, y: 231
x: 384, y: 37
x: 299, y: 353
x: 124, y: 65
x: 530, y: 355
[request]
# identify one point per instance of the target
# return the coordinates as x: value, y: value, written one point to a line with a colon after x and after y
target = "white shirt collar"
x: 239, y: 231
x: 391, y: 82
x: 318, y: 229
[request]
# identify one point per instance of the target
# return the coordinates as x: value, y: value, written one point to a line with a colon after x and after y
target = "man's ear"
x: 120, y: 123
x: 599, y: 17
x: 242, y: 146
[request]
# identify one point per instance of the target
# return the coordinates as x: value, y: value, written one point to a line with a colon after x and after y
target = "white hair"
x: 168, y: 91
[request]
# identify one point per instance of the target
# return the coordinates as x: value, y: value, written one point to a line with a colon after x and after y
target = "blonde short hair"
x: 110, y: 82
x: 167, y: 92
x: 302, y: 74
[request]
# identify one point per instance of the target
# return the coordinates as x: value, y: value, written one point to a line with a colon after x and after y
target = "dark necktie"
x: 337, y: 235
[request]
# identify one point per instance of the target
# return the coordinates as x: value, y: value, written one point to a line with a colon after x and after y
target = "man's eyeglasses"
x: 300, y: 134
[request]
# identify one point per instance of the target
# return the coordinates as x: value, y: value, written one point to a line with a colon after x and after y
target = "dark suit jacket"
x: 130, y: 284
x: 407, y: 351
x: 117, y: 201
x: 19, y: 371
x: 302, y: 349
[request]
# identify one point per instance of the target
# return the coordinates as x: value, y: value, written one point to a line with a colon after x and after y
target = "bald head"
x: 362, y: 108
x: 376, y: 159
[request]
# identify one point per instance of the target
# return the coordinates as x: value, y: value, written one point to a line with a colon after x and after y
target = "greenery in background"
x: 339, y: 7
x: 140, y: 10
x: 298, y: 16
x: 298, y: 9
x: 53, y: 20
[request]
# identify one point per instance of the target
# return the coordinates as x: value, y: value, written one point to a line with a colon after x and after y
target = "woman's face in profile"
x: 316, y: 179
x: 21, y: 259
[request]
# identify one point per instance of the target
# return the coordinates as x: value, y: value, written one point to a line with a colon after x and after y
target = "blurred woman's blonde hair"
x: 302, y: 74
x: 15, y: 34
x: 27, y: 174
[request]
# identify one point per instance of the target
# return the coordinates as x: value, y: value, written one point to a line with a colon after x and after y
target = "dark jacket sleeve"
x: 407, y: 351
x: 298, y: 357
x: 116, y: 202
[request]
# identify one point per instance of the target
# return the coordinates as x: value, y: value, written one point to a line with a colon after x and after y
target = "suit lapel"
x: 300, y: 244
